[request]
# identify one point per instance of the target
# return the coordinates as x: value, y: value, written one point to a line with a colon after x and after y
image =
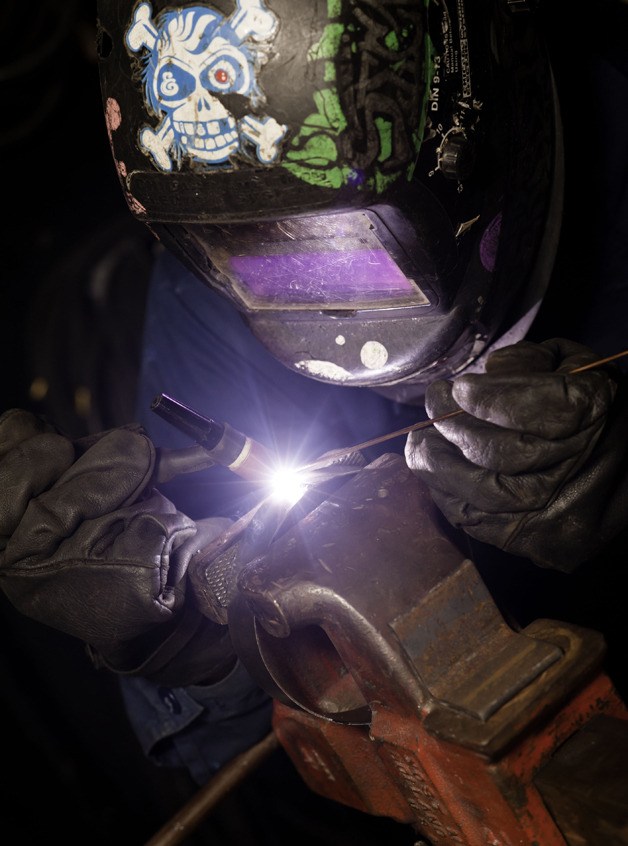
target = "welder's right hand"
x: 89, y: 547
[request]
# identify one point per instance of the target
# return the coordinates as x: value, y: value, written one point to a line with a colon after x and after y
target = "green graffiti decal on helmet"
x: 370, y: 65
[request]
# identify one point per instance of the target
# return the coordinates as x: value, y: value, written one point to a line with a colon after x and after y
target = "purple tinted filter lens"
x: 350, y: 277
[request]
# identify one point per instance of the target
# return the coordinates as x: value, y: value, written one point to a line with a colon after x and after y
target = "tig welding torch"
x: 216, y: 443
x: 219, y: 443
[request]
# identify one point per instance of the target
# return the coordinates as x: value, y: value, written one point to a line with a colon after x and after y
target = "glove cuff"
x: 195, y: 650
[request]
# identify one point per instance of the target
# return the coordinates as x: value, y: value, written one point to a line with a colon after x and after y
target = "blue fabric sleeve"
x: 197, y: 728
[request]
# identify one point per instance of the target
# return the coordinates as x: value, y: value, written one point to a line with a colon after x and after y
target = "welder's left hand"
x: 538, y: 464
x: 90, y: 547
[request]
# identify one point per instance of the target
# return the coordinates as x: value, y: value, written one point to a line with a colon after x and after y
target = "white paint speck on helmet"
x: 324, y: 370
x: 373, y: 355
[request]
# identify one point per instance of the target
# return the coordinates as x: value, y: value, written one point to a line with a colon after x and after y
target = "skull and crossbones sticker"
x: 192, y: 57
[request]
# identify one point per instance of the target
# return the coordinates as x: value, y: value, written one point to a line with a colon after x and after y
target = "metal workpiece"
x: 399, y: 688
x: 324, y: 595
x: 214, y: 570
x: 369, y: 599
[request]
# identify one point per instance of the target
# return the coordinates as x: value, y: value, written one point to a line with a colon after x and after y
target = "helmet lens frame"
x: 344, y: 261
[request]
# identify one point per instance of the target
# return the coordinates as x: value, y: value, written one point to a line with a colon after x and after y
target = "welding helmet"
x: 373, y: 183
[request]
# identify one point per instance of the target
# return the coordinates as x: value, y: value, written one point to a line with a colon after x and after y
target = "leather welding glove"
x: 537, y: 465
x: 89, y: 547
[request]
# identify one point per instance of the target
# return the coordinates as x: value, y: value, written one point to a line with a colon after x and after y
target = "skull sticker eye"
x: 221, y: 75
x: 174, y: 83
x: 224, y: 74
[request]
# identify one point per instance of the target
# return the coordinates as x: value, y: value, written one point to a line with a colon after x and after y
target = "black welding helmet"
x: 372, y: 183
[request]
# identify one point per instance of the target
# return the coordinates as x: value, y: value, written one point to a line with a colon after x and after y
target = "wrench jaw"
x: 214, y: 569
x: 360, y: 595
x: 398, y: 688
x: 312, y: 615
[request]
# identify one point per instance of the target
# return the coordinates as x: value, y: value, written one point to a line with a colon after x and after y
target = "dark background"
x: 71, y: 767
x: 73, y: 276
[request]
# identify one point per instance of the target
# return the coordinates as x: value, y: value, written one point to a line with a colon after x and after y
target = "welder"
x: 358, y: 206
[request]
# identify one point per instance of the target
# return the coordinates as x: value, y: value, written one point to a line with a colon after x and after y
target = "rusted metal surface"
x: 399, y: 688
x: 323, y: 604
x: 338, y: 761
x: 585, y: 784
